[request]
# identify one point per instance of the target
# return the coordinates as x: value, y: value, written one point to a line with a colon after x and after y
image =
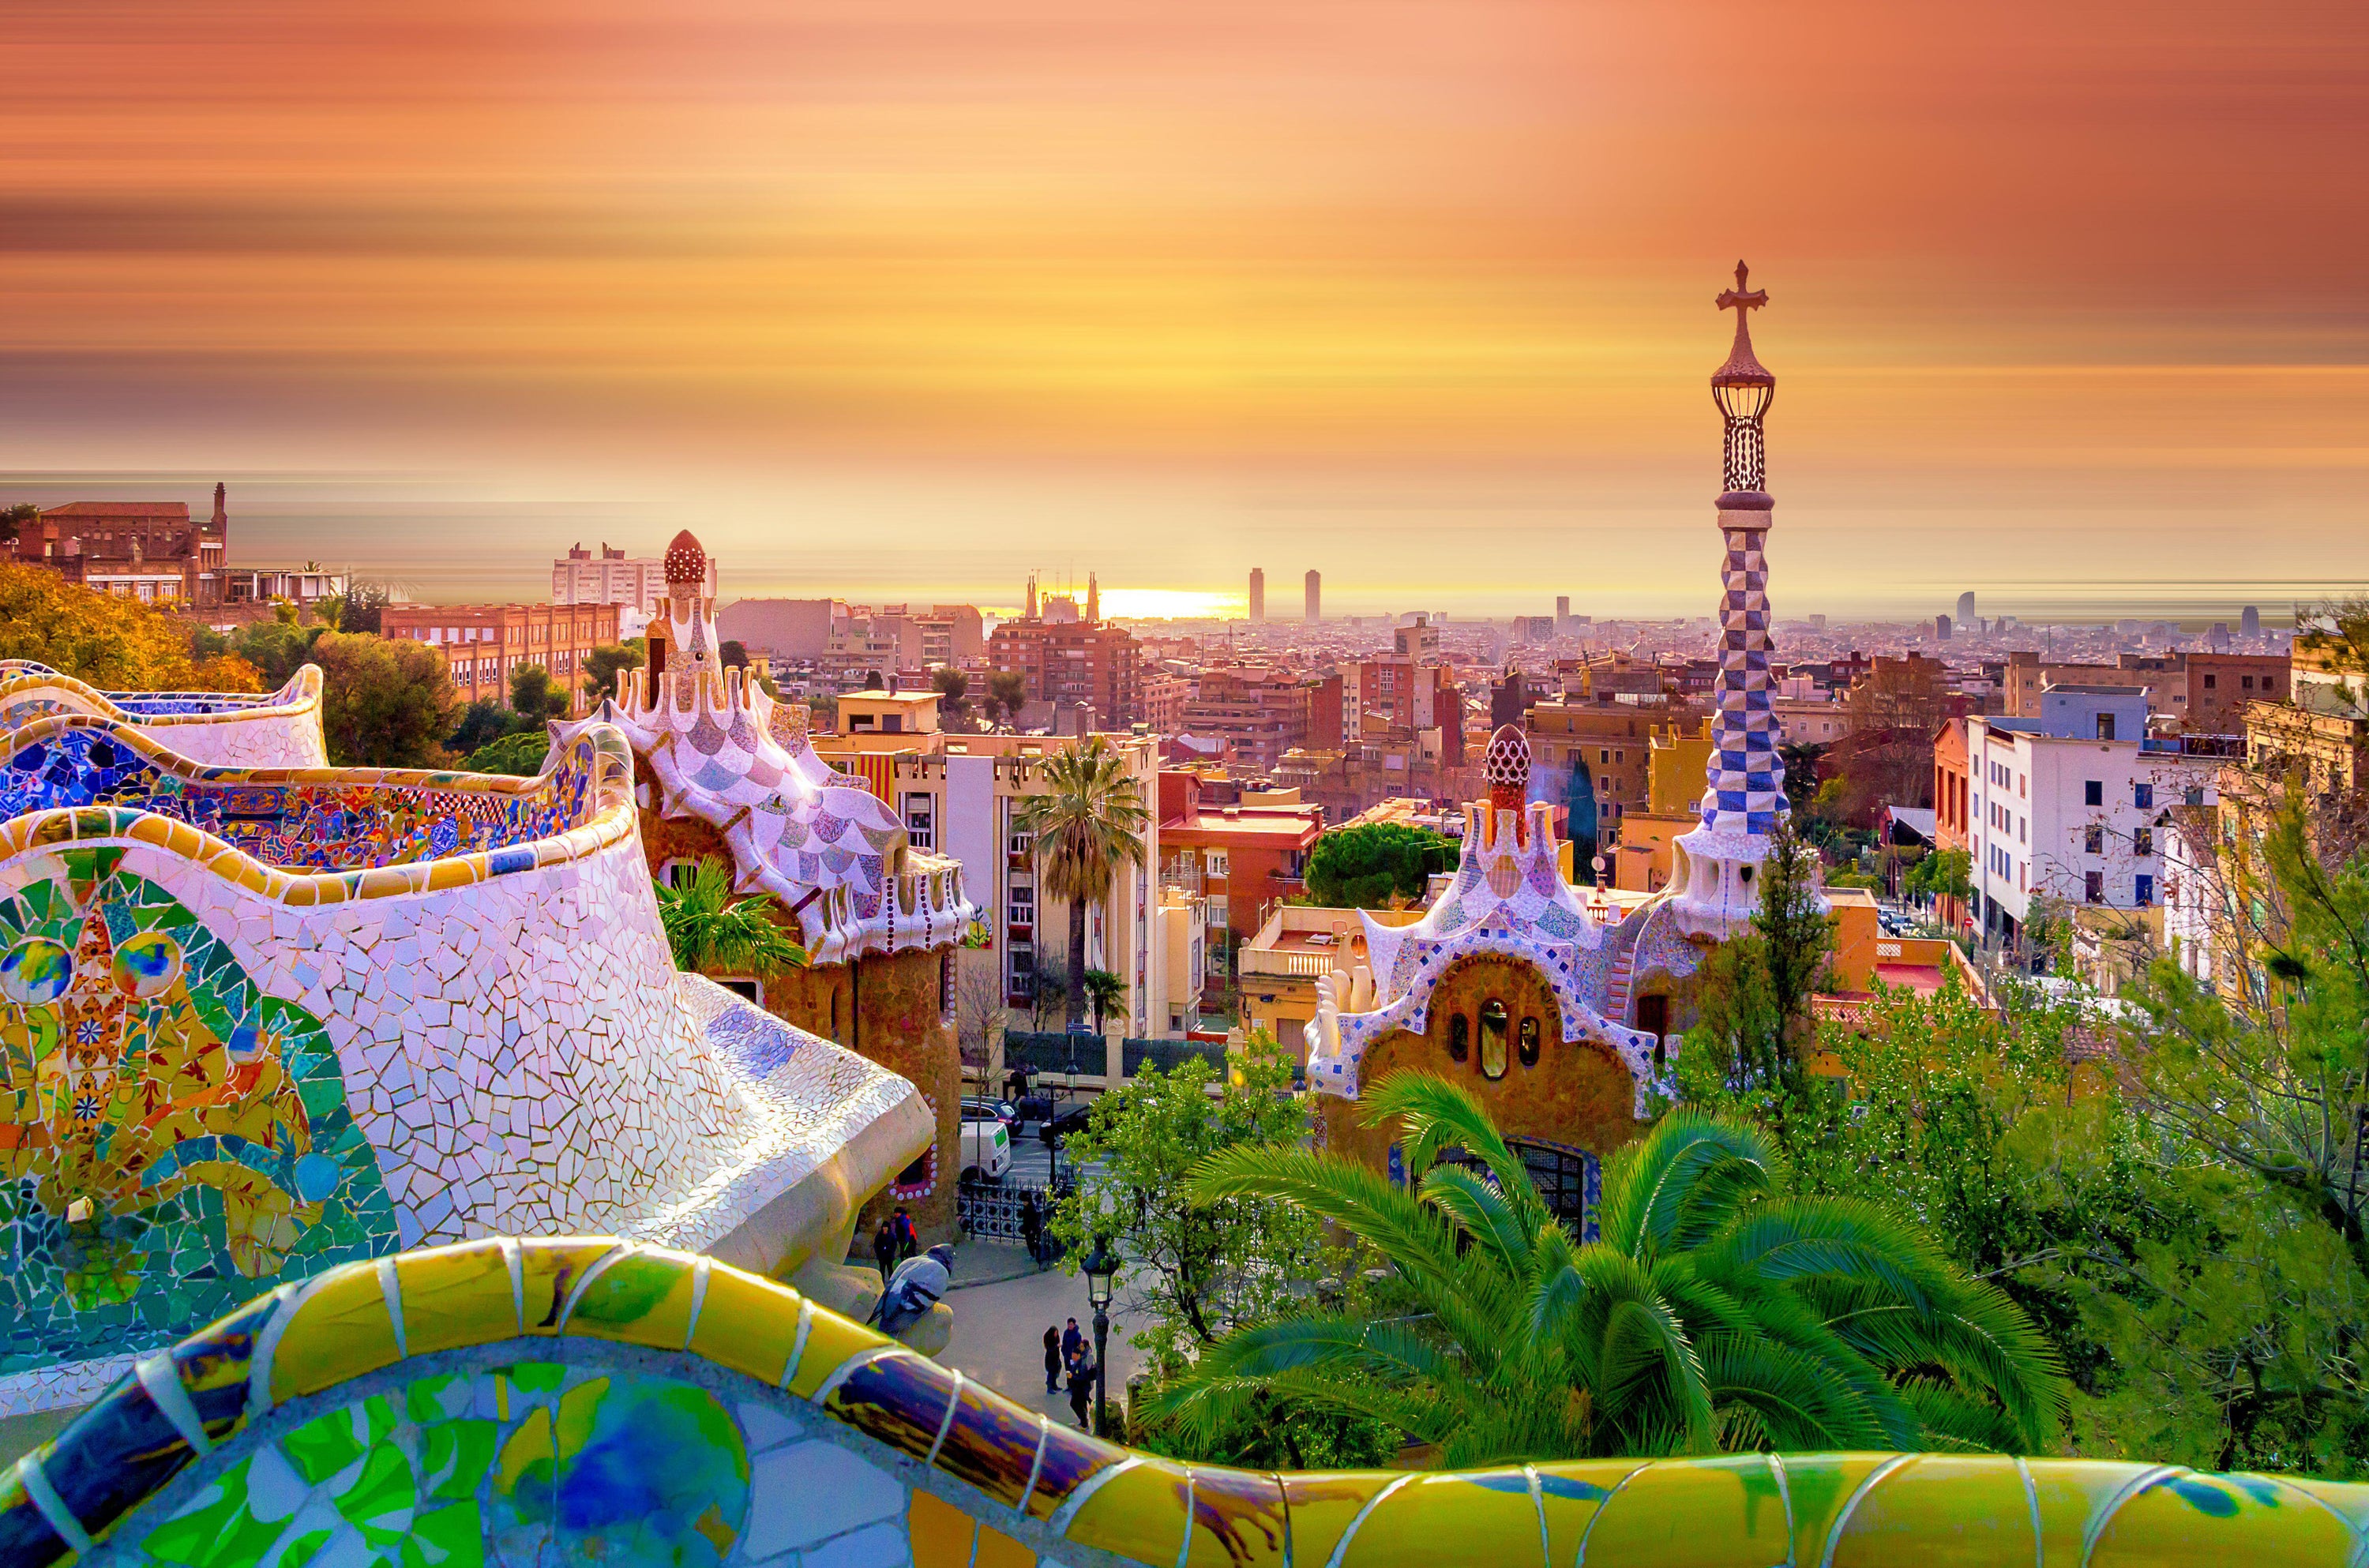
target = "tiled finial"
x: 1507, y: 768
x: 686, y: 563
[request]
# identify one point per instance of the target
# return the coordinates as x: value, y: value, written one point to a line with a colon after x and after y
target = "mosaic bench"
x: 217, y: 1074
x: 277, y: 729
x: 588, y: 1400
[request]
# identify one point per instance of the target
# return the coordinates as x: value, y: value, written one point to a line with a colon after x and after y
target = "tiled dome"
x: 685, y: 561
x: 1508, y: 765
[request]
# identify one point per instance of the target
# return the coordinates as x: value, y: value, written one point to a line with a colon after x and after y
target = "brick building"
x: 1069, y: 662
x: 483, y: 645
x: 151, y: 551
x: 1258, y: 709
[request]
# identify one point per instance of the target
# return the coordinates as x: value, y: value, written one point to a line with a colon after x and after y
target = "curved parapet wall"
x: 277, y: 729
x: 447, y: 1011
x: 583, y: 1401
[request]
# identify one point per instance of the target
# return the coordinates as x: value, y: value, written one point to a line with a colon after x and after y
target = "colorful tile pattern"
x: 321, y: 820
x: 174, y: 1137
x: 278, y: 729
x: 549, y: 1401
x: 510, y: 1047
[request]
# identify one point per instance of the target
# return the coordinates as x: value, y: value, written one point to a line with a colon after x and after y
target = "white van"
x: 986, y: 1150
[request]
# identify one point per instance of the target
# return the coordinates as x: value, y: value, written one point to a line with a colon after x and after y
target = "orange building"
x: 484, y: 644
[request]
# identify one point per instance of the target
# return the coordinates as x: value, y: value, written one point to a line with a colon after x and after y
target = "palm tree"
x: 1716, y: 1310
x: 1089, y: 820
x: 1105, y: 991
x: 710, y: 930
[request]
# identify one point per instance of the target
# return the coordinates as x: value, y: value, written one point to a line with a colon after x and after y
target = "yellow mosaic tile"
x: 455, y: 1296
x: 551, y: 1268
x: 2072, y: 1492
x: 340, y: 1329
x: 1719, y: 1513
x: 747, y: 1323
x: 2220, y: 1518
x: 1239, y: 1520
x: 941, y: 1535
x: 1975, y: 1509
x: 997, y: 1549
x: 1322, y: 1506
x: 1480, y: 1516
x: 828, y: 1344
x: 642, y: 1298
x: 1138, y: 1514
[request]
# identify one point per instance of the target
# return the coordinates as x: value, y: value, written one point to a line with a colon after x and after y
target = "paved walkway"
x: 999, y: 1336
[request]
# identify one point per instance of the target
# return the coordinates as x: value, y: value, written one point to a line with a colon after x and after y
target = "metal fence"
x: 1168, y: 1055
x: 1051, y: 1052
x: 993, y: 1213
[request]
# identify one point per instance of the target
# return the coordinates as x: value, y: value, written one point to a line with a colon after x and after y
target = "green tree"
x: 1373, y: 865
x: 532, y: 695
x: 711, y: 931
x: 731, y: 654
x: 1801, y: 759
x: 1087, y: 822
x: 522, y: 753
x: 1752, y: 1019
x: 483, y: 722
x: 1104, y: 991
x: 277, y: 648
x: 363, y: 607
x: 385, y: 703
x: 1008, y: 690
x: 604, y: 667
x: 1197, y: 1271
x: 1719, y: 1310
x: 22, y: 515
x: 953, y: 687
x: 1944, y: 873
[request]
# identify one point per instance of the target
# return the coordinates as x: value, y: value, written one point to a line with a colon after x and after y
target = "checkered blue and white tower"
x: 1718, y: 876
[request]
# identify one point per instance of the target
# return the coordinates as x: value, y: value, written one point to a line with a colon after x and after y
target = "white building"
x: 610, y: 579
x: 2074, y: 807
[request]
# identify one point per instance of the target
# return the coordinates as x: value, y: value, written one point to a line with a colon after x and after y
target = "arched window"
x: 1529, y: 1040
x: 1459, y: 1037
x: 1494, y: 1022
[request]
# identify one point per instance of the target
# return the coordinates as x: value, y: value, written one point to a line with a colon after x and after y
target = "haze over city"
x: 903, y: 301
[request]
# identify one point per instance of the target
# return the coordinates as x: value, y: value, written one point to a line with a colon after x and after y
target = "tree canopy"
x: 385, y: 703
x: 111, y: 643
x: 1368, y: 867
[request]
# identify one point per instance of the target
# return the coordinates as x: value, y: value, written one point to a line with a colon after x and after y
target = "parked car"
x: 978, y: 1108
x: 1069, y: 1121
x: 985, y: 1149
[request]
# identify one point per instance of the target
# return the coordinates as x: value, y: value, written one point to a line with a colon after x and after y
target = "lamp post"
x: 1101, y: 1267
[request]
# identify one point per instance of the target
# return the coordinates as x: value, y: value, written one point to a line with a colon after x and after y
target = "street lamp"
x: 1101, y: 1267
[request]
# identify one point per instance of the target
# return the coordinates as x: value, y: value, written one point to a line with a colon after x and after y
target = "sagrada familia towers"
x: 1720, y: 861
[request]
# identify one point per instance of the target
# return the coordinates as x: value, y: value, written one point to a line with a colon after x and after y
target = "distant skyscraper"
x: 1315, y: 597
x: 1966, y: 610
x: 1094, y: 602
x: 2250, y: 622
x: 1258, y: 596
x: 1940, y: 628
x: 1563, y: 612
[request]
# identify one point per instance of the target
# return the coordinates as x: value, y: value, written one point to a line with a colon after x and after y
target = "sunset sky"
x: 904, y: 298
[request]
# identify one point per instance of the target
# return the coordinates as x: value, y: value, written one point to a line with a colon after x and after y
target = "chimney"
x: 222, y: 513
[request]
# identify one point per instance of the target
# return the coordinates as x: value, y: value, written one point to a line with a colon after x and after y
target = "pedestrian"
x: 1074, y: 1350
x: 909, y: 1241
x: 1081, y: 1392
x: 1032, y: 1228
x: 883, y: 1250
x: 1052, y: 1359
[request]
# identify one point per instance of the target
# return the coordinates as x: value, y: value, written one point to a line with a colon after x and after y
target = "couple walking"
x: 1065, y: 1351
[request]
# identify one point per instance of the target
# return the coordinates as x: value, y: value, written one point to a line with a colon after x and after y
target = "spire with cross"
x: 1743, y: 388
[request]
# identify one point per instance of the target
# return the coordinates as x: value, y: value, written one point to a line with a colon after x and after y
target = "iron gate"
x: 992, y: 1213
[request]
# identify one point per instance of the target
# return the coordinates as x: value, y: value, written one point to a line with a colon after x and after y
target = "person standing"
x: 1074, y: 1350
x: 883, y: 1250
x: 1082, y: 1391
x: 1032, y: 1228
x: 909, y: 1241
x: 1052, y: 1359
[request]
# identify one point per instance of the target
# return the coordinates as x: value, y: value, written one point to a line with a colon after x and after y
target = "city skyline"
x: 888, y: 307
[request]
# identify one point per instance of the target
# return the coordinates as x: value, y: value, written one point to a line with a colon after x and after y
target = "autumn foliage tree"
x: 114, y: 644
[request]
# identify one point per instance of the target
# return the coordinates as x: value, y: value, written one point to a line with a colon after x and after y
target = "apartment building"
x: 2070, y: 806
x: 1612, y: 742
x: 637, y: 585
x: 2204, y: 693
x: 151, y: 551
x: 483, y: 645
x: 1067, y: 662
x: 1260, y: 710
x: 956, y: 795
x: 1241, y: 858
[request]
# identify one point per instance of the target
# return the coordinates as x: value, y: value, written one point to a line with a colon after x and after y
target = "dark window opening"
x: 1530, y: 1042
x: 1459, y: 1037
